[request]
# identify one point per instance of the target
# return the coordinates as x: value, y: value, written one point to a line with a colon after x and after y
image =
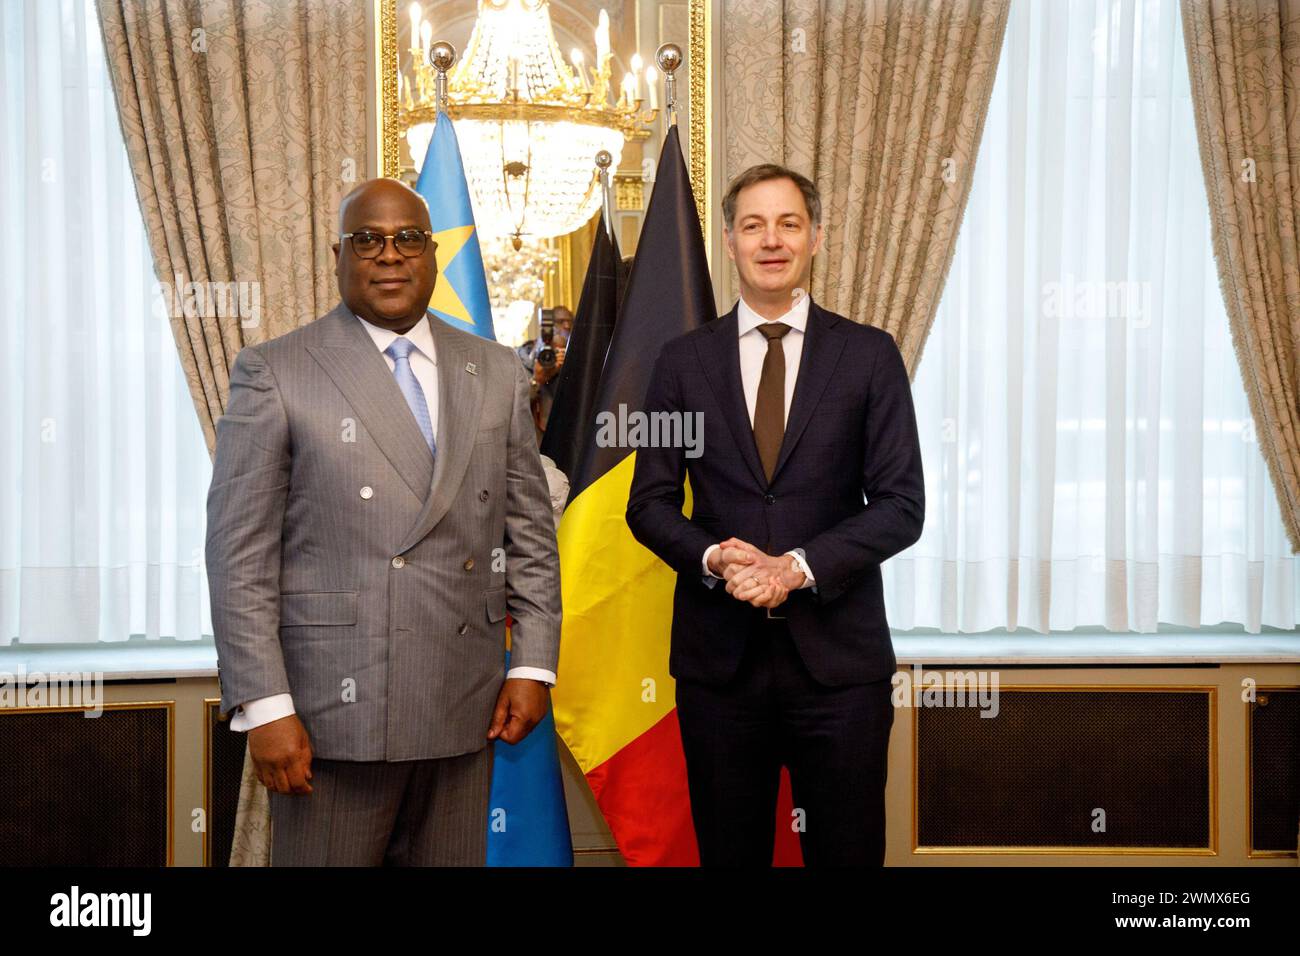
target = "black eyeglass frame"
x: 424, y: 234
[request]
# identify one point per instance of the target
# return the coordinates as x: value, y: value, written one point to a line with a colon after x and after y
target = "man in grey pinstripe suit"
x: 377, y: 506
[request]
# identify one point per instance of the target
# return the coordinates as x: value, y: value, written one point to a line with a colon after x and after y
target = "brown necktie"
x: 769, y: 410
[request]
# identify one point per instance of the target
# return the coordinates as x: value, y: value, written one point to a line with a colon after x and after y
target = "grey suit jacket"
x: 350, y: 570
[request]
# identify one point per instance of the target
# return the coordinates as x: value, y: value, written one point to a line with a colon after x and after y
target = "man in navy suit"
x: 809, y: 478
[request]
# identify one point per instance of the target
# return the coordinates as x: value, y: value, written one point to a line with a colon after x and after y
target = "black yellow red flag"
x: 614, y: 699
x: 578, y: 385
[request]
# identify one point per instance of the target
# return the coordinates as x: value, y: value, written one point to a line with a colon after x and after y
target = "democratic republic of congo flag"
x: 528, y: 821
x: 461, y: 296
x: 614, y: 700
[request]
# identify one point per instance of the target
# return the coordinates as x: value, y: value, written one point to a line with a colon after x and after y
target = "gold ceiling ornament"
x: 528, y: 122
x: 629, y: 191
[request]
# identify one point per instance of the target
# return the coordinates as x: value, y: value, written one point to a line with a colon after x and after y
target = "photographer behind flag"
x: 810, y: 478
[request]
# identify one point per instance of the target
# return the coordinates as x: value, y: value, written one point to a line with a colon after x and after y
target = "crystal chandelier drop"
x: 529, y: 124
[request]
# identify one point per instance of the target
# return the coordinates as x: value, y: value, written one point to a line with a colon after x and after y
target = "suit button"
x: 770, y: 499
x: 483, y: 495
x: 399, y: 562
x: 469, y: 565
x: 463, y: 628
x: 367, y: 492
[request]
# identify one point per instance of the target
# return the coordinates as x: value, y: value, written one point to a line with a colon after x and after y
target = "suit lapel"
x: 460, y: 403
x: 348, y: 355
x: 822, y: 345
x: 719, y: 354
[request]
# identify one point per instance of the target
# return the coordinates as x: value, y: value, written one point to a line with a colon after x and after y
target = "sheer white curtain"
x: 1089, y: 453
x: 103, y: 470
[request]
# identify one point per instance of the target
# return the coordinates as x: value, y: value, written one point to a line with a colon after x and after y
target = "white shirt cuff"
x: 255, y: 713
x: 709, y: 577
x: 532, y: 673
x: 802, y: 565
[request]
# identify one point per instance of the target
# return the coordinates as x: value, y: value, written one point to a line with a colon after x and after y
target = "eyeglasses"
x: 409, y: 242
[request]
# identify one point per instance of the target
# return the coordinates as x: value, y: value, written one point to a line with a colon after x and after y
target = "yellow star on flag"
x: 445, y: 299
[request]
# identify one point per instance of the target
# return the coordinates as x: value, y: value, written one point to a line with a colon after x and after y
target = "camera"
x: 545, y: 355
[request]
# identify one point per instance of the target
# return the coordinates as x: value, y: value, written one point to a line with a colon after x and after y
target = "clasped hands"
x: 760, y: 579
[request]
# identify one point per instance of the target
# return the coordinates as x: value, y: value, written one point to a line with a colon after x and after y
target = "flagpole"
x: 443, y: 57
x: 669, y: 58
x: 603, y: 161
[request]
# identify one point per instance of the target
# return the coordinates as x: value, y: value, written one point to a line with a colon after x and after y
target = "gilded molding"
x: 389, y: 145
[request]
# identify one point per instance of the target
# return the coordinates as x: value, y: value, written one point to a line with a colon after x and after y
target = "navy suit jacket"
x: 848, y: 489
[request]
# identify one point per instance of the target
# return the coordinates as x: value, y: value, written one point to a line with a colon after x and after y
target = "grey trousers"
x: 374, y: 813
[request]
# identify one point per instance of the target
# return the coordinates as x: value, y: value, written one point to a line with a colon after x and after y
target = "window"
x: 1089, y: 452
x: 104, y: 468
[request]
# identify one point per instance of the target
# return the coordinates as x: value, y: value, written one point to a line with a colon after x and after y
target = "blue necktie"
x: 400, y: 352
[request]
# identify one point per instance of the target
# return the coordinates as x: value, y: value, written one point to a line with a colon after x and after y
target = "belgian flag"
x: 578, y: 385
x: 614, y: 700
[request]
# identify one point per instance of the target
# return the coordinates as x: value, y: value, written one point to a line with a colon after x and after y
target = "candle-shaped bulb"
x: 636, y: 77
x: 575, y: 57
x: 602, y: 38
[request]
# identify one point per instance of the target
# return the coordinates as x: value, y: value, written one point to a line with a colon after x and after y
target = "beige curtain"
x: 244, y: 123
x: 881, y: 103
x: 1243, y: 57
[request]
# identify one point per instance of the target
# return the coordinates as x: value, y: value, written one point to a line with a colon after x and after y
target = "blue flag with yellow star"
x: 528, y: 822
x: 460, y: 297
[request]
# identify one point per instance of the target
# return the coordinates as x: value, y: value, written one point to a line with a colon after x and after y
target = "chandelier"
x: 529, y: 124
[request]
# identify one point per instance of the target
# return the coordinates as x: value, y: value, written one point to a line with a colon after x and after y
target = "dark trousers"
x: 833, y: 740
x: 412, y: 813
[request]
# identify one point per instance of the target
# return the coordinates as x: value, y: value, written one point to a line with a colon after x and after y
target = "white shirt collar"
x: 420, y: 334
x: 796, y: 318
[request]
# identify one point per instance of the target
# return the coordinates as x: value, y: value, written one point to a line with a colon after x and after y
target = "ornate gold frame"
x: 697, y: 51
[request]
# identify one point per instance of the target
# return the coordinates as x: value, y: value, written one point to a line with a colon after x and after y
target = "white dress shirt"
x: 424, y: 365
x: 753, y: 350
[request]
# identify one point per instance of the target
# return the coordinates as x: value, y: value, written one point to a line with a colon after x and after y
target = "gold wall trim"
x: 209, y: 704
x: 1213, y: 777
x: 698, y: 66
x: 1251, y: 852
x: 390, y: 155
x: 629, y: 192
x: 558, y: 281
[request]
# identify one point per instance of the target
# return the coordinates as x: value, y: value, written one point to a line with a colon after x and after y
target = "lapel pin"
x: 471, y: 368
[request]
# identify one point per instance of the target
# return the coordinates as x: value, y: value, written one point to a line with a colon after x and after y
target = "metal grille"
x: 80, y: 791
x: 1275, y: 771
x: 1035, y: 775
x: 224, y: 773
